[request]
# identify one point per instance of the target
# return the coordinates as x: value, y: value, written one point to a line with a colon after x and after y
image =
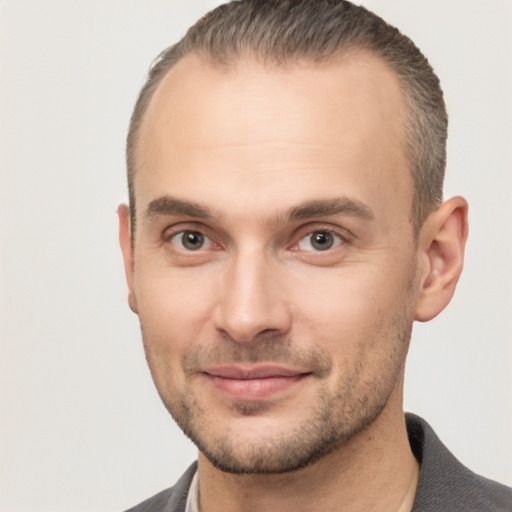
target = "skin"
x: 281, y: 360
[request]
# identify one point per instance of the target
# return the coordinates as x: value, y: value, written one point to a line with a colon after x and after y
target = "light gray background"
x: 82, y: 428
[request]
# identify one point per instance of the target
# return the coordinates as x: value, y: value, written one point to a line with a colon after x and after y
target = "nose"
x: 251, y: 302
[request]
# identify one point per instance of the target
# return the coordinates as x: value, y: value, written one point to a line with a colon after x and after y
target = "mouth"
x: 253, y: 383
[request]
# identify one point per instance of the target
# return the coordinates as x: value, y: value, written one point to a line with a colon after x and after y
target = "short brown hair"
x: 283, y: 31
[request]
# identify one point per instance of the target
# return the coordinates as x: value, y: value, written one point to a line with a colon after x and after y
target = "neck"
x: 376, y: 470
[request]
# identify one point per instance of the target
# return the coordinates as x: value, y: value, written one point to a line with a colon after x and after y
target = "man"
x: 285, y: 228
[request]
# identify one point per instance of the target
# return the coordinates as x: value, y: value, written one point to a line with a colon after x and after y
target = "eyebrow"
x: 328, y: 207
x: 167, y: 205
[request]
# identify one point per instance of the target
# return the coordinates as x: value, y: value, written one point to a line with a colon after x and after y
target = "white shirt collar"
x: 193, y: 495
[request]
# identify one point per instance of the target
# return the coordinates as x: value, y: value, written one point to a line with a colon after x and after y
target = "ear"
x: 125, y: 240
x: 442, y: 241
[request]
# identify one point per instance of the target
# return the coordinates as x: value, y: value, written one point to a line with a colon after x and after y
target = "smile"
x: 253, y: 383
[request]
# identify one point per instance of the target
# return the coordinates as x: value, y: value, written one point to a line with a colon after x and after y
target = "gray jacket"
x: 445, y: 485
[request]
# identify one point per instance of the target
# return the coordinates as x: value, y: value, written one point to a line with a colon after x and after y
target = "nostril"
x: 249, y: 304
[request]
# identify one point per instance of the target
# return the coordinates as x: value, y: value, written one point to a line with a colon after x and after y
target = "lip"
x: 253, y: 383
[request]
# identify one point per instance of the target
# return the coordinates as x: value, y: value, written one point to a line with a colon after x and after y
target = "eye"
x: 191, y: 241
x: 319, y: 241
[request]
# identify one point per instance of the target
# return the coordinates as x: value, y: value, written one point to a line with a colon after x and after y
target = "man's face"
x: 274, y: 261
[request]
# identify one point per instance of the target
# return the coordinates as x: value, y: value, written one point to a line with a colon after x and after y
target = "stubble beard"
x: 336, y: 418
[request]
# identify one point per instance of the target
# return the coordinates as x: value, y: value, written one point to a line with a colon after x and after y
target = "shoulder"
x: 172, y: 499
x: 156, y: 503
x: 446, y: 484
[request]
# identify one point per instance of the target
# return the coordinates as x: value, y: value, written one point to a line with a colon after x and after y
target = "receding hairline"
x: 288, y: 31
x: 267, y: 64
x: 354, y: 53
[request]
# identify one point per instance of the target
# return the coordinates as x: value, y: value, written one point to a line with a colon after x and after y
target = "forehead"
x: 197, y: 92
x: 252, y: 124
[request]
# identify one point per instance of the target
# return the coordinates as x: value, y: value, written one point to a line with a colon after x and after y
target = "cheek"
x: 355, y: 304
x: 346, y: 291
x: 362, y: 321
x: 173, y: 308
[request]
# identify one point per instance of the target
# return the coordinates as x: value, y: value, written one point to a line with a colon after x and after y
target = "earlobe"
x: 125, y: 241
x: 442, y: 242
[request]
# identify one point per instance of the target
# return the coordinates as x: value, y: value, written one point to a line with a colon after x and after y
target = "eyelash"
x: 298, y: 237
x: 191, y: 234
x: 171, y: 233
x: 337, y: 239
